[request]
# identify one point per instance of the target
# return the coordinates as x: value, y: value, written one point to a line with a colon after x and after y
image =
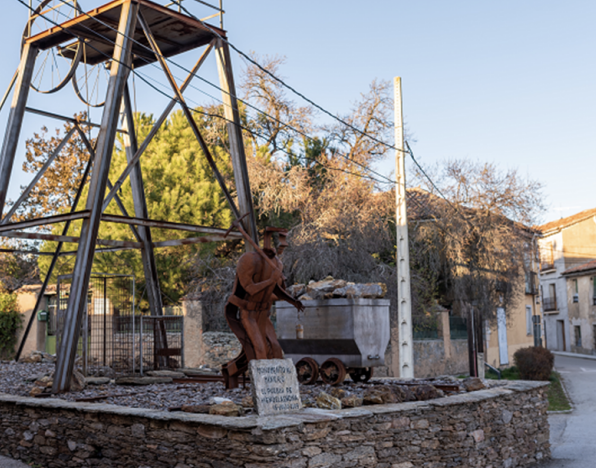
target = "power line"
x: 364, y: 167
x: 283, y: 83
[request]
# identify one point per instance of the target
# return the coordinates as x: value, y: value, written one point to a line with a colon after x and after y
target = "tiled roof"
x: 568, y: 221
x: 591, y: 265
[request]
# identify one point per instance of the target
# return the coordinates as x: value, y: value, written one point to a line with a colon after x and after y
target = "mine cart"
x: 334, y: 337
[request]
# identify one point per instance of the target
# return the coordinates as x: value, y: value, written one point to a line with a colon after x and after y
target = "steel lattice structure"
x: 128, y: 34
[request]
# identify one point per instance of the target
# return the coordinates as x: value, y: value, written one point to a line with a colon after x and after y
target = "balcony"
x: 547, y: 265
x: 549, y: 304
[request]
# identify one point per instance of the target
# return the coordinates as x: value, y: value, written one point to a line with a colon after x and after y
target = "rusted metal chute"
x: 118, y: 37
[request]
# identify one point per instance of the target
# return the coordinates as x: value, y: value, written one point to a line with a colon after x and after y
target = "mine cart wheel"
x: 361, y: 374
x: 307, y: 370
x: 333, y: 371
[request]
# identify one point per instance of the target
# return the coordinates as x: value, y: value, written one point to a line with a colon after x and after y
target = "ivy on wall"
x: 10, y: 322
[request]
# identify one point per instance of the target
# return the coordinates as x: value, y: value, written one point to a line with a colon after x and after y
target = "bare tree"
x: 477, y: 239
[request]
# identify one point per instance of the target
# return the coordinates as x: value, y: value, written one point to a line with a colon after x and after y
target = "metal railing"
x: 549, y: 304
x: 425, y: 328
x: 458, y: 328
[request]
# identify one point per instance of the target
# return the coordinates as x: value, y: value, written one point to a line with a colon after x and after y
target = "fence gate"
x: 162, y: 342
x: 109, y: 333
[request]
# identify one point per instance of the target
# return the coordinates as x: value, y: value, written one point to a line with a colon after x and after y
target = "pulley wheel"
x: 307, y: 370
x: 361, y: 374
x: 54, y: 67
x: 333, y: 371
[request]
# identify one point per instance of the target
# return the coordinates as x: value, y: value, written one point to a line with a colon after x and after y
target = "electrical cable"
x: 366, y: 168
x: 409, y: 151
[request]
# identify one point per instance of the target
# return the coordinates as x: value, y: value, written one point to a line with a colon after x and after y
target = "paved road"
x: 573, y: 435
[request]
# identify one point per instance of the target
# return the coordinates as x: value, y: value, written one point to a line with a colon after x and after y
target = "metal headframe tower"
x: 120, y: 36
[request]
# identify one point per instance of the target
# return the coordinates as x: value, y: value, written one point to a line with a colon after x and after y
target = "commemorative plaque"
x: 274, y: 386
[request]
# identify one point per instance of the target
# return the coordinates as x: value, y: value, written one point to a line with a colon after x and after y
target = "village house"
x: 517, y: 325
x: 581, y: 307
x: 564, y: 245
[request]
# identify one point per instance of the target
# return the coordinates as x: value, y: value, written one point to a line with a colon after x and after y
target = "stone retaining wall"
x: 219, y: 348
x: 440, y: 357
x: 500, y: 427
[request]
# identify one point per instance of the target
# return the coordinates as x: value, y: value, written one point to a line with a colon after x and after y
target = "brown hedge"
x: 534, y: 363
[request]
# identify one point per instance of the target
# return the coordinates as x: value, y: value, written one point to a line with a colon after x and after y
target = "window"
x: 528, y: 320
x: 547, y: 257
x: 530, y: 282
x: 578, y: 336
x: 575, y: 292
x: 550, y: 303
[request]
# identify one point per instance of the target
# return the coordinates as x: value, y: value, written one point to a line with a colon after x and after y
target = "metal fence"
x: 425, y: 327
x: 458, y: 328
x: 161, y: 343
x: 108, y: 334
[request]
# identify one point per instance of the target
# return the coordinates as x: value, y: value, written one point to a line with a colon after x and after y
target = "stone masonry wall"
x: 501, y: 427
x: 431, y: 358
x: 219, y: 348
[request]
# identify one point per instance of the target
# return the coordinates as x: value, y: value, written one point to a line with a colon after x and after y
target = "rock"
x: 338, y: 392
x: 308, y: 402
x: 247, y: 402
x: 401, y: 394
x: 204, y: 409
x: 219, y: 400
x: 326, y: 401
x: 351, y: 401
x: 229, y: 408
x: 306, y: 297
x: 45, y: 381
x: 296, y: 290
x: 167, y: 373
x: 35, y: 377
x: 425, y: 392
x: 97, y: 380
x: 471, y: 384
x: 408, y: 394
x: 371, y: 397
x: 364, y: 290
x: 34, y: 357
x: 381, y: 395
x: 142, y: 380
x: 77, y: 383
x: 105, y: 371
x: 195, y: 372
x: 318, y: 289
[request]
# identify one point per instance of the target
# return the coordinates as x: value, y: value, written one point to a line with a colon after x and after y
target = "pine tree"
x: 179, y: 187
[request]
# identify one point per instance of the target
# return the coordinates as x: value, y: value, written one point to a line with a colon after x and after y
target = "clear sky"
x: 508, y: 82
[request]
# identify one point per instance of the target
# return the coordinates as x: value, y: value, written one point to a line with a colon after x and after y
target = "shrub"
x: 534, y: 363
x: 10, y: 322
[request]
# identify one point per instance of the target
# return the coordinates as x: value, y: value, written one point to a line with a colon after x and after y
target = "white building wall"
x: 553, y: 276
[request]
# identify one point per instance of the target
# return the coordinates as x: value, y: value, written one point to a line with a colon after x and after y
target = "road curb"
x: 574, y: 355
x: 564, y: 387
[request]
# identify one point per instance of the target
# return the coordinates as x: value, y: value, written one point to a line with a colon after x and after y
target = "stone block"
x: 274, y: 386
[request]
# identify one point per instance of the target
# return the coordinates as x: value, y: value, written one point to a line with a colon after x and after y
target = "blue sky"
x: 506, y: 82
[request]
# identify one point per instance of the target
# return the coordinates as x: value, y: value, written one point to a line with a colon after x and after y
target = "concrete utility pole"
x: 404, y: 303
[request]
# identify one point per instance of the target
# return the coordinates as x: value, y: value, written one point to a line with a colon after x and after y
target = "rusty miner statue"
x: 259, y: 282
